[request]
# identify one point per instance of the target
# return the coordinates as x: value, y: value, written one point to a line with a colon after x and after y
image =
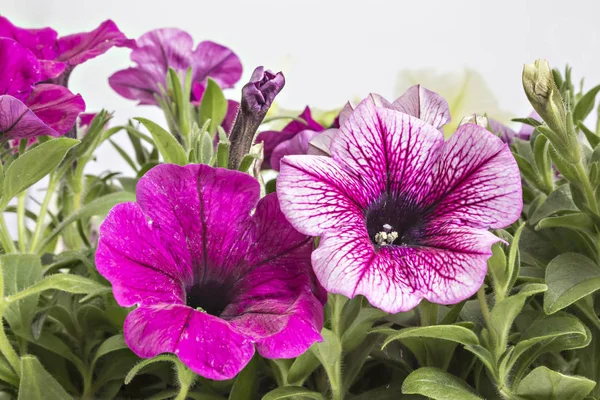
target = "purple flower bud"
x: 257, y: 97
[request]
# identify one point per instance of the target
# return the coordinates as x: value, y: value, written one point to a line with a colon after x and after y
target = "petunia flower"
x: 27, y: 109
x: 58, y: 56
x: 402, y: 215
x: 160, y: 49
x: 213, y: 280
x: 292, y: 139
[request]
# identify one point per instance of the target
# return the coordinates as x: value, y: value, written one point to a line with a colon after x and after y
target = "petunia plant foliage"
x: 366, y: 258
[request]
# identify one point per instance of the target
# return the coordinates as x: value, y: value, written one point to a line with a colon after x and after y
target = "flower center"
x: 392, y: 221
x: 210, y: 297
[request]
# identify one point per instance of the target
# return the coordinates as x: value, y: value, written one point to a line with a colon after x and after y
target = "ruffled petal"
x: 296, y: 126
x: 477, y: 181
x: 41, y: 42
x: 445, y: 269
x: 144, y: 264
x: 424, y: 104
x: 78, y: 48
x: 51, y: 69
x: 203, y: 210
x: 135, y: 84
x: 208, y: 345
x: 390, y: 151
x: 317, y: 195
x: 218, y: 62
x: 56, y: 106
x: 19, y: 122
x: 270, y: 140
x: 19, y: 69
x: 297, y: 145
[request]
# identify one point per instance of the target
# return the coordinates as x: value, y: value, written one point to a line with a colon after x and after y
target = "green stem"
x: 429, y: 313
x: 39, y: 228
x: 7, y: 242
x: 485, y: 311
x: 590, y: 197
x: 5, y: 347
x: 186, y: 379
x: 21, y: 220
x: 336, y: 314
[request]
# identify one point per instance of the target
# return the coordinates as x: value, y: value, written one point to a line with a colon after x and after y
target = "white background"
x: 332, y: 51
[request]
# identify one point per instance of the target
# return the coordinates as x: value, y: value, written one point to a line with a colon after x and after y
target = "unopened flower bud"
x: 475, y: 119
x: 257, y: 97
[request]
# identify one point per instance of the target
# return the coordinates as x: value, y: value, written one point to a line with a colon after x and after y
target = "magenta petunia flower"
x: 402, y: 214
x: 27, y: 109
x: 160, y: 49
x: 57, y: 56
x: 213, y: 280
x: 292, y: 139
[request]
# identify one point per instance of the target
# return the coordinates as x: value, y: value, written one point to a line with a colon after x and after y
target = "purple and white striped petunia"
x: 402, y: 215
x: 160, y: 49
x: 213, y: 280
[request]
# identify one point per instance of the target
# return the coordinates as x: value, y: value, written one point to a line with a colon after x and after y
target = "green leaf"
x: 98, y: 206
x: 223, y: 149
x: 484, y: 356
x: 246, y: 383
x: 504, y: 313
x: 585, y: 105
x: 302, y: 367
x: 166, y: 143
x: 329, y: 350
x: 543, y: 383
x: 355, y: 334
x: 113, y: 343
x: 66, y: 282
x: 20, y: 271
x: 569, y: 277
x: 578, y: 221
x: 37, y: 383
x: 213, y: 106
x: 591, y: 137
x: 528, y: 121
x: 437, y: 385
x: 559, y: 200
x: 453, y: 333
x: 206, y: 148
x: 292, y: 391
x: 33, y: 166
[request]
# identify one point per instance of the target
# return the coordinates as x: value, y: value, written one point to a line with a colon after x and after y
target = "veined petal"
x: 205, y: 211
x: 444, y: 268
x: 78, y: 48
x: 56, y: 106
x: 297, y: 145
x: 424, y: 104
x: 208, y: 345
x: 143, y: 263
x: 218, y: 62
x: 19, y: 69
x: 17, y: 121
x: 477, y: 181
x: 135, y: 84
x: 388, y: 150
x: 317, y: 195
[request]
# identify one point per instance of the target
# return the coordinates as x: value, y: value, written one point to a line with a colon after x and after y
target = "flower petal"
x: 51, y: 69
x: 135, y: 84
x: 297, y: 145
x: 41, y: 42
x: 78, y: 48
x: 424, y: 104
x: 275, y: 298
x: 445, y: 269
x: 296, y: 126
x: 205, y: 212
x: 218, y: 62
x: 208, y: 345
x: 19, y: 69
x: 232, y: 110
x: 506, y: 134
x: 390, y: 151
x: 320, y: 145
x: 140, y: 260
x: 160, y: 49
x: 56, y: 106
x: 477, y: 181
x: 19, y: 122
x: 317, y: 195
